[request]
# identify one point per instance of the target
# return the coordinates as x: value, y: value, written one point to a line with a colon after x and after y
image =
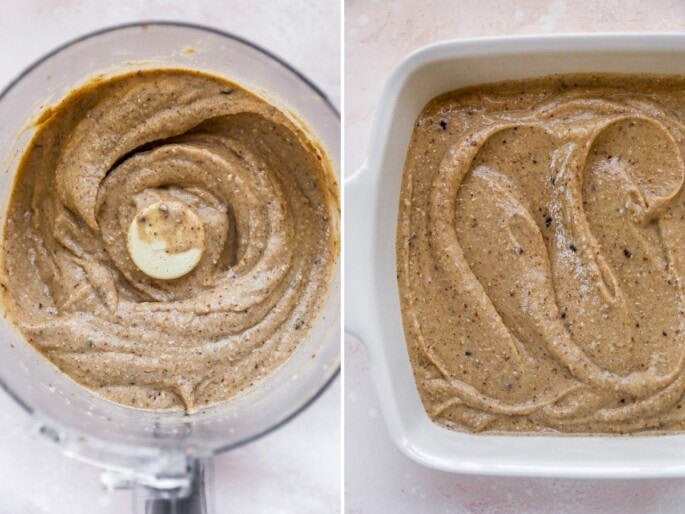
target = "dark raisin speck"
x: 627, y: 253
x: 443, y: 124
x: 468, y: 353
x: 572, y: 247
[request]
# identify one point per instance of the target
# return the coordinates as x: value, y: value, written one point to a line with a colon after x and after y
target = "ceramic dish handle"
x: 359, y: 236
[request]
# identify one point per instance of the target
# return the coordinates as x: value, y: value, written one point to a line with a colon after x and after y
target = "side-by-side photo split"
x: 342, y: 256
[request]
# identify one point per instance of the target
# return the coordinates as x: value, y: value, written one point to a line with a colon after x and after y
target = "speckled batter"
x: 541, y: 255
x: 267, y: 199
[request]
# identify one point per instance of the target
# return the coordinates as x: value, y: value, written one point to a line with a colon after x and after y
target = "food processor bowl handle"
x: 193, y: 503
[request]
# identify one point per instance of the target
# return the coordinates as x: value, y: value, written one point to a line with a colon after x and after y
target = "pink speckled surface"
x: 378, y: 478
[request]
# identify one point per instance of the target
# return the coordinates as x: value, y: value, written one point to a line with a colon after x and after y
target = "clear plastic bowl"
x: 160, y: 452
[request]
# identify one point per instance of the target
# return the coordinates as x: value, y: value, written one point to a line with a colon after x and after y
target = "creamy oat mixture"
x: 181, y: 162
x: 541, y: 255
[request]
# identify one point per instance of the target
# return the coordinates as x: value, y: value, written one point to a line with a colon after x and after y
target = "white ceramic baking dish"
x: 372, y: 309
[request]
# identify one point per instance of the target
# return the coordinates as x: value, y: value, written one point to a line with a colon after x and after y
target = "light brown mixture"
x: 541, y: 255
x: 267, y: 199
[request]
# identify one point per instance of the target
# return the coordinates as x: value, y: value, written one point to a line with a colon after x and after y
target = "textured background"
x: 378, y: 478
x: 297, y: 468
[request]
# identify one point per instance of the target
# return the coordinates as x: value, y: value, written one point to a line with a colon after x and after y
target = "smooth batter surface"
x: 267, y: 199
x: 541, y: 255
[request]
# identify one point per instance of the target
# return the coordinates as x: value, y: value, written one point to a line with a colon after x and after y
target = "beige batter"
x: 541, y: 255
x: 204, y: 167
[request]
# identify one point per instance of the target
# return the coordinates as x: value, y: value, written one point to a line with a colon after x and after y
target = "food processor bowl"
x: 161, y: 455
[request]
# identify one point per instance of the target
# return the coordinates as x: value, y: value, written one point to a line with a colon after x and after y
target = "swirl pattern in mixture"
x: 266, y: 197
x: 540, y: 257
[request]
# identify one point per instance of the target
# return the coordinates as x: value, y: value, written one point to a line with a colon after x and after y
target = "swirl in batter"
x: 191, y: 163
x: 541, y: 255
